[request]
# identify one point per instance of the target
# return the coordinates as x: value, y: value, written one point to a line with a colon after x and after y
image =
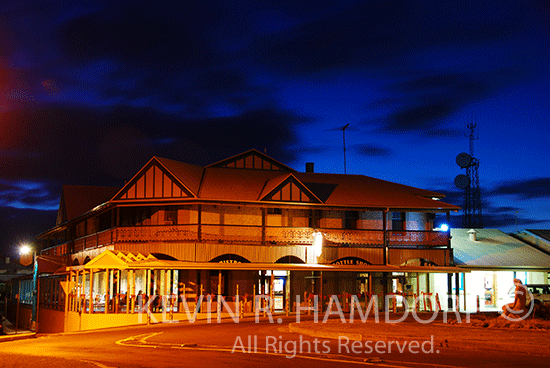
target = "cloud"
x: 143, y: 34
x: 525, y: 189
x: 372, y: 150
x: 433, y: 59
x: 378, y: 35
x: 71, y: 145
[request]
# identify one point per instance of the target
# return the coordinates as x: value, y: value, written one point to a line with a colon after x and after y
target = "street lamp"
x: 26, y: 250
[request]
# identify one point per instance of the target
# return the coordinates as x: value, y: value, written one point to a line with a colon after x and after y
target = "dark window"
x: 104, y: 221
x: 274, y: 211
x: 398, y: 221
x: 171, y: 215
x: 350, y: 221
x: 134, y: 216
x: 314, y: 218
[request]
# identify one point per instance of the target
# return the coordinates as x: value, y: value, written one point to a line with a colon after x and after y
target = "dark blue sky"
x: 89, y: 91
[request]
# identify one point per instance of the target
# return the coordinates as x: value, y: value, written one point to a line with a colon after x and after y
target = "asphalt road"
x: 244, y: 344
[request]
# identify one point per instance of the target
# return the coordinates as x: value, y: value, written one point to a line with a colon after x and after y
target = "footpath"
x: 451, y: 333
x: 8, y: 332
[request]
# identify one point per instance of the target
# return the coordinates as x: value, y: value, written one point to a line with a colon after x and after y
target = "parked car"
x: 540, y: 293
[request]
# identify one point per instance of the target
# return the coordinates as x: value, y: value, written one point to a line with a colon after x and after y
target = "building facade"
x: 492, y: 260
x: 247, y: 225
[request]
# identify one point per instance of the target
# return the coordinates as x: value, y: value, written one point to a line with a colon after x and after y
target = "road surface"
x: 244, y: 344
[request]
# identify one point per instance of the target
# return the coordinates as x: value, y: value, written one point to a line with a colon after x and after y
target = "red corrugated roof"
x: 189, y: 175
x: 79, y: 199
x: 333, y: 189
x: 236, y: 184
x: 364, y: 191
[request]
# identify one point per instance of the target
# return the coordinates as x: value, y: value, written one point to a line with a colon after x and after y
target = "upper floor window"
x: 314, y: 218
x: 171, y: 215
x: 274, y: 211
x: 350, y: 220
x: 398, y: 221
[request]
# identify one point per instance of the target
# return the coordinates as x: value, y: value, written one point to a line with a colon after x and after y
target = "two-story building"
x: 245, y: 226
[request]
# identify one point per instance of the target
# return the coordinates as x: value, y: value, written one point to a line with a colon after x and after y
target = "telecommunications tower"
x: 469, y: 182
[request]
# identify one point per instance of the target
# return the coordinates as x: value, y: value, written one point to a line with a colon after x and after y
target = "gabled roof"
x: 250, y: 177
x: 252, y: 160
x: 162, y: 178
x: 331, y: 189
x: 79, y: 199
x: 188, y: 174
x: 287, y: 188
x: 495, y: 249
x: 107, y: 259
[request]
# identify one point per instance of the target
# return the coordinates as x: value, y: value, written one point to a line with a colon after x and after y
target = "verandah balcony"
x: 278, y: 235
x: 261, y: 235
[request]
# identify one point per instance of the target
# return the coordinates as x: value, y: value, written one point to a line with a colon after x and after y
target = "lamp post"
x: 25, y: 250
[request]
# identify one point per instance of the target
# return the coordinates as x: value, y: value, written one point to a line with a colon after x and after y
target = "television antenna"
x: 343, y: 129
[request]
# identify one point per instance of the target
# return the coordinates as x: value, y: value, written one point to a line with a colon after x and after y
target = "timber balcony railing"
x: 270, y: 235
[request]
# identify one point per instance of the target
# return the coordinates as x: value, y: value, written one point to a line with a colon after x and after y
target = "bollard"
x: 437, y: 303
x: 254, y: 307
x: 238, y: 302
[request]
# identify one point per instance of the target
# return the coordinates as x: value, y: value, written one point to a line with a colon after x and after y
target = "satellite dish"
x: 463, y: 160
x: 462, y: 181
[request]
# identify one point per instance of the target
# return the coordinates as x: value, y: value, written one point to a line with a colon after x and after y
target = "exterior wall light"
x: 318, y: 243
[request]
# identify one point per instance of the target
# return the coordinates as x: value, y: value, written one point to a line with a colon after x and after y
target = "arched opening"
x: 289, y: 259
x: 229, y: 258
x: 163, y: 257
x: 75, y: 262
x: 351, y: 261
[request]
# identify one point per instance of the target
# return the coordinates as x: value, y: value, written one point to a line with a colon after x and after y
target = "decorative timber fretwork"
x: 252, y: 160
x: 153, y: 181
x: 288, y: 189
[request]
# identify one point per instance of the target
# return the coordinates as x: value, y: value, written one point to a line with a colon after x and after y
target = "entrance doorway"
x: 280, y: 280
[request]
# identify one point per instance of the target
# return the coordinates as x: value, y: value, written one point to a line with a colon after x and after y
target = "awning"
x: 122, y: 261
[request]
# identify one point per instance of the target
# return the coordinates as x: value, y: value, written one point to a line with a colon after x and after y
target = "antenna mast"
x: 344, y: 137
x: 472, y: 193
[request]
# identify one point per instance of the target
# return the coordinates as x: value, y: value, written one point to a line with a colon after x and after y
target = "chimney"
x: 309, y: 167
x: 472, y: 235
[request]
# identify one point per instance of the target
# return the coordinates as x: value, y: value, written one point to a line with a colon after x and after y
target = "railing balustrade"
x: 258, y: 235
